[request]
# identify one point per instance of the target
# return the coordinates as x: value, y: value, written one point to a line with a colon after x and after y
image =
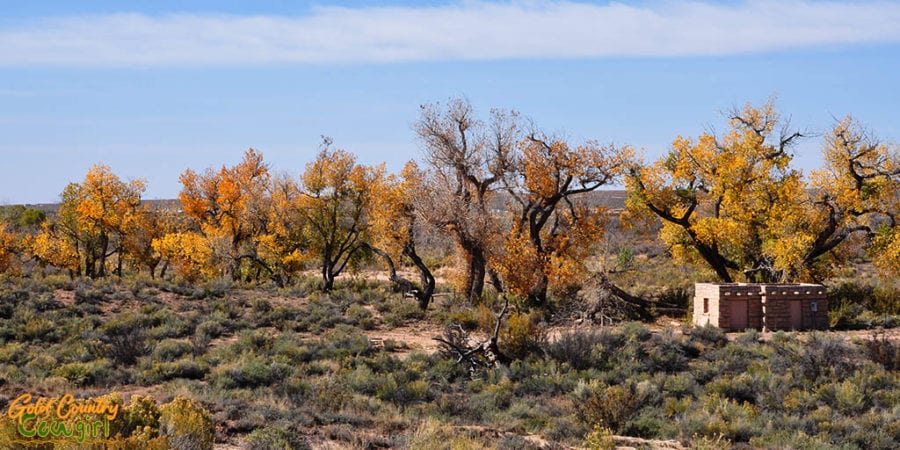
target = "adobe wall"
x: 720, y: 299
x: 760, y: 306
x: 777, y: 303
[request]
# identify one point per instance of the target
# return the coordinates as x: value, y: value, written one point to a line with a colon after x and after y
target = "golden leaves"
x: 189, y: 253
x: 9, y: 247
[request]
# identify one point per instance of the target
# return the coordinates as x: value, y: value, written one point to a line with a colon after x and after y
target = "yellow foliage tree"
x: 394, y: 222
x: 91, y: 224
x: 229, y: 208
x: 189, y: 253
x: 283, y: 246
x: 552, y: 230
x: 736, y: 205
x: 856, y: 193
x: 151, y: 223
x: 9, y: 247
x: 333, y: 208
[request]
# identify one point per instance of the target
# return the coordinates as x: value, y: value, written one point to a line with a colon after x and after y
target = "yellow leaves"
x: 104, y: 201
x: 886, y: 247
x: 750, y: 210
x: 229, y: 206
x: 335, y: 173
x: 53, y: 248
x: 520, y: 266
x: 392, y: 212
x: 189, y: 253
x: 9, y: 247
x: 787, y: 252
x: 224, y: 200
x: 721, y: 231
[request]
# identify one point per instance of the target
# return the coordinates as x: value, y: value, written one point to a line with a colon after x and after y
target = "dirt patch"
x: 67, y: 298
x: 407, y: 339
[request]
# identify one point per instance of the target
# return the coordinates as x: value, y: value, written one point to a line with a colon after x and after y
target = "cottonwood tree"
x: 466, y: 158
x: 394, y: 222
x: 9, y: 247
x: 91, y: 225
x: 229, y: 208
x: 856, y: 194
x: 736, y: 205
x: 188, y: 252
x: 285, y: 244
x: 336, y: 195
x: 553, y: 230
x: 150, y: 223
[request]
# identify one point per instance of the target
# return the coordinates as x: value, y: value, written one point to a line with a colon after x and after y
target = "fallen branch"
x: 456, y: 343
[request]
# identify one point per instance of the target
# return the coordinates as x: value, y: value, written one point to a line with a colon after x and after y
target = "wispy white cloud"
x: 461, y: 31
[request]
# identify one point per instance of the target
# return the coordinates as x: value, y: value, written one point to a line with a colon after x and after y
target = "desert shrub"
x: 608, y: 406
x: 680, y: 385
x: 635, y: 331
x: 458, y: 314
x: 168, y: 324
x: 359, y: 316
x: 187, y: 425
x: 40, y: 329
x: 214, y: 326
x: 327, y: 395
x: 856, y: 305
x: 342, y: 342
x: 883, y: 351
x: 523, y: 335
x: 86, y: 373
x: 402, y: 311
x: 667, y: 353
x: 14, y: 353
x: 432, y: 435
x: 826, y: 355
x: 139, y: 418
x: 720, y: 418
x: 215, y: 288
x: 740, y: 388
x: 158, y: 372
x: 124, y: 338
x: 275, y: 438
x: 576, y: 348
x: 731, y: 359
x: 89, y: 295
x: 600, y: 438
x: 319, y: 316
x: 709, y: 335
x: 172, y: 349
x: 41, y: 365
x: 249, y: 372
x: 11, y: 439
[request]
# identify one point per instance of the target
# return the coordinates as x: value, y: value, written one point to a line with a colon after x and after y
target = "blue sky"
x: 152, y: 88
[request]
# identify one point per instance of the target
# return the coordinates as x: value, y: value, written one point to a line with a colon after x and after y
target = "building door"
x: 737, y: 313
x: 796, y: 315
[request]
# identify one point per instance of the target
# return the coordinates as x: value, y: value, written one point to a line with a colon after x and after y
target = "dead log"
x: 456, y: 343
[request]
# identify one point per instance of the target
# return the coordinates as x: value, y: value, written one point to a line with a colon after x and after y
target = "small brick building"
x: 738, y: 306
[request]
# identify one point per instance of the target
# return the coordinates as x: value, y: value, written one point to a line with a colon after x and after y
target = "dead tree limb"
x: 614, y: 301
x: 456, y: 343
x: 424, y: 293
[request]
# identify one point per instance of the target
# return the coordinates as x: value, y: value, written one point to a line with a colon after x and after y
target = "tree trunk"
x: 327, y: 275
x: 537, y: 296
x: 475, y: 276
x: 104, y: 244
x: 425, y: 294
